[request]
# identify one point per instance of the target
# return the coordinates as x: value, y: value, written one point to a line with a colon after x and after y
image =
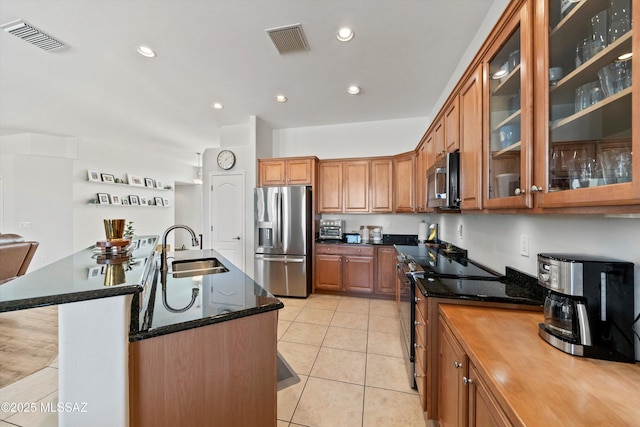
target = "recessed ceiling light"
x: 146, y: 51
x: 625, y: 56
x: 217, y: 106
x: 345, y: 34
x: 353, y: 90
x: 281, y: 98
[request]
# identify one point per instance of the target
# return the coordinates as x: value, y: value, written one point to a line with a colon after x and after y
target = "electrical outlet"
x: 460, y: 231
x: 24, y: 224
x: 524, y: 245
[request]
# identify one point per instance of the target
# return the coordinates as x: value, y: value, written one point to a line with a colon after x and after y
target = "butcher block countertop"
x: 537, y: 384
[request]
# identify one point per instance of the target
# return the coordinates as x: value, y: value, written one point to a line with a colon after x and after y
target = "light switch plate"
x: 524, y: 245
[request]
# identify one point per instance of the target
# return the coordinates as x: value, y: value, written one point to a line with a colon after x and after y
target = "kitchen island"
x: 114, y: 325
x: 526, y: 382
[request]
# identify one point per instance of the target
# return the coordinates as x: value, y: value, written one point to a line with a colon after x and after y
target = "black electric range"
x: 441, y: 273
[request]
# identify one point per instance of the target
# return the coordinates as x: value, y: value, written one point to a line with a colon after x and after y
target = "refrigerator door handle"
x: 280, y: 259
x: 280, y: 213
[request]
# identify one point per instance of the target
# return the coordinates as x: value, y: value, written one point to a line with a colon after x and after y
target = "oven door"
x: 407, y: 318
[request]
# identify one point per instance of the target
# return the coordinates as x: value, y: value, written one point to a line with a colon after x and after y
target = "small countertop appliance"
x: 588, y: 308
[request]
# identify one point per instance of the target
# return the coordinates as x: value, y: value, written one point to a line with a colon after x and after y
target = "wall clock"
x: 226, y: 159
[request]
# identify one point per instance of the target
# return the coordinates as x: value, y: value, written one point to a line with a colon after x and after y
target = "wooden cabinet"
x: 386, y: 270
x: 404, y: 179
x: 587, y: 137
x: 356, y: 186
x: 507, y: 111
x: 471, y: 142
x: 420, y: 347
x: 438, y: 139
x: 212, y: 372
x: 330, y: 186
x: 328, y: 270
x: 286, y: 171
x: 483, y: 407
x: 381, y: 185
x: 452, y: 126
x: 452, y: 395
x: 344, y: 268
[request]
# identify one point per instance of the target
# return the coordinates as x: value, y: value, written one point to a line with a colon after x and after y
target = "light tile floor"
x: 347, y: 352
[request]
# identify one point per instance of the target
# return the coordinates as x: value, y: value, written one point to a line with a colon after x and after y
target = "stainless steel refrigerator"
x: 283, y: 240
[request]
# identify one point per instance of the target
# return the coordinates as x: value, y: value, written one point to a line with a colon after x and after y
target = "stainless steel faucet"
x: 163, y: 255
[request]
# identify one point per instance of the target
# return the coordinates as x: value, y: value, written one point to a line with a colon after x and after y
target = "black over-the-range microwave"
x: 443, y: 182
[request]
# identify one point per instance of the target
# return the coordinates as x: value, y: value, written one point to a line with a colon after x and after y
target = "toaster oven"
x: 331, y: 229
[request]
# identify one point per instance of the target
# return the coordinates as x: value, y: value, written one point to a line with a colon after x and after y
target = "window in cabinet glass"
x: 589, y: 93
x: 505, y: 119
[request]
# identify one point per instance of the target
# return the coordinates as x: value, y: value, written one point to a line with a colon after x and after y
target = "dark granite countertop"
x: 449, y: 273
x: 88, y: 275
x: 221, y: 297
x: 515, y: 287
x: 387, y: 240
x: 85, y: 275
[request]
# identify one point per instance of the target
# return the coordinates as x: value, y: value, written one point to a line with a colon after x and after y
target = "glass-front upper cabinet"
x: 508, y: 114
x: 585, y: 156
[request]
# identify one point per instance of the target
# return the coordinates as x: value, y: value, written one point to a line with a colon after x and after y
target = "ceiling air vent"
x: 289, y: 38
x: 31, y: 34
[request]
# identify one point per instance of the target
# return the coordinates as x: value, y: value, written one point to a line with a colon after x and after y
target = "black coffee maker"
x: 588, y: 309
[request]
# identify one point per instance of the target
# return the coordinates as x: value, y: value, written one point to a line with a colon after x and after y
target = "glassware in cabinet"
x: 590, y: 97
x: 508, y: 113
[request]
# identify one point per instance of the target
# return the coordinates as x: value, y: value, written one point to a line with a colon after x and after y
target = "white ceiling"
x: 403, y: 54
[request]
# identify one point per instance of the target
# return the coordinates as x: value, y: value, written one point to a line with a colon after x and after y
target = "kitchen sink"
x: 197, y: 267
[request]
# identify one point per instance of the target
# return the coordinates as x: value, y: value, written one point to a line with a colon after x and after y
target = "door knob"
x: 236, y: 238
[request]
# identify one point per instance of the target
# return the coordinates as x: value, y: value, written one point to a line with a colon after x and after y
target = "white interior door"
x: 228, y: 216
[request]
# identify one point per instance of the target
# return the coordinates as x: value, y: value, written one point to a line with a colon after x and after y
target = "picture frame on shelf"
x: 166, y: 202
x: 134, y: 200
x: 135, y: 180
x: 103, y: 198
x: 107, y: 177
x: 93, y: 176
x: 115, y: 199
x: 158, y: 201
x: 143, y: 201
x: 159, y: 184
x: 148, y: 182
x: 125, y: 201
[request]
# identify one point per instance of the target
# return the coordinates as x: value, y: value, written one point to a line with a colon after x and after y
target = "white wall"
x: 188, y: 211
x: 490, y: 20
x: 382, y: 138
x: 45, y: 184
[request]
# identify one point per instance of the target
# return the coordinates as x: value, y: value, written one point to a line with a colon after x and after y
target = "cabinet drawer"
x: 421, y: 379
x: 339, y: 249
x: 421, y: 328
x: 421, y: 303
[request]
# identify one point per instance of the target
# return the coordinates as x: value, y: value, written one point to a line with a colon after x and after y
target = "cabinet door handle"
x: 416, y: 323
x: 467, y: 381
x: 457, y: 365
x: 417, y: 376
x: 417, y: 299
x: 235, y: 238
x: 520, y: 191
x: 535, y: 189
x: 416, y: 345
